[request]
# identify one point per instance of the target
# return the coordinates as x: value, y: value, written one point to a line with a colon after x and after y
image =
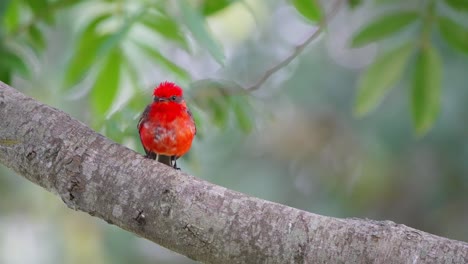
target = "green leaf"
x: 36, y: 38
x: 354, y: 3
x: 11, y: 18
x: 168, y: 64
x: 132, y: 73
x: 242, y: 113
x: 426, y: 89
x: 84, y: 58
x: 42, y: 10
x: 461, y: 5
x: 383, y: 27
x: 382, y: 75
x: 106, y: 86
x: 66, y: 3
x: 5, y: 75
x: 86, y: 52
x: 196, y: 24
x: 310, y: 9
x: 3, y: 7
x: 202, y: 91
x: 166, y: 27
x: 138, y: 101
x: 121, y: 32
x: 455, y: 34
x: 210, y: 7
x: 37, y: 6
x: 49, y: 18
x: 93, y: 46
x: 218, y: 108
x: 217, y: 97
x: 386, y: 2
x: 12, y: 62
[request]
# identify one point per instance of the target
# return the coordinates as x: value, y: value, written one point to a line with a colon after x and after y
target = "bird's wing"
x: 143, y: 117
x: 191, y: 116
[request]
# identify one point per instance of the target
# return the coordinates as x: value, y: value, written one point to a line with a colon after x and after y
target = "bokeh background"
x: 298, y: 138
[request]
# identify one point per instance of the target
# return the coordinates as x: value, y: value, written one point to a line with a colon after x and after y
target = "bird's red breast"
x: 167, y: 127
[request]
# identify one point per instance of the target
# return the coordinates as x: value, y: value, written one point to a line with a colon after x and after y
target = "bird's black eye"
x: 155, y: 98
x: 173, y: 98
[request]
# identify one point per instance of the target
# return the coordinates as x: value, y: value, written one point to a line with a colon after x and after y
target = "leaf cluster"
x: 426, y: 67
x: 107, y: 53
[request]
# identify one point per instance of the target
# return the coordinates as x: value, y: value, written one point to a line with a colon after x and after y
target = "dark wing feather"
x: 143, y: 119
x: 191, y: 116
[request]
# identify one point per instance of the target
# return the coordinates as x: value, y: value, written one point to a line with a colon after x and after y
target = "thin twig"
x: 297, y: 50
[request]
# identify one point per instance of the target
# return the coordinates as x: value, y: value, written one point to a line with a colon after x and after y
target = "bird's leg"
x: 174, y: 158
x: 151, y: 155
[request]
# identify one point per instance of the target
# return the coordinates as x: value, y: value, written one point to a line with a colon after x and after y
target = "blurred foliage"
x: 384, y: 73
x: 101, y: 44
x: 425, y: 98
x: 292, y: 140
x: 310, y: 9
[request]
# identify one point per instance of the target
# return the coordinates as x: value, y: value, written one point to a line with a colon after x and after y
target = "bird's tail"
x: 165, y: 160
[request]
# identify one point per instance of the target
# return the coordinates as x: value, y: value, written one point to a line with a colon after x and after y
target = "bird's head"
x: 168, y: 92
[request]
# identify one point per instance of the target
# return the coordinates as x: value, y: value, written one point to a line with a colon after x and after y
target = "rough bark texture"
x: 203, y: 221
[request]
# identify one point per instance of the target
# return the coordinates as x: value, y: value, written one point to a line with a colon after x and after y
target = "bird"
x: 166, y: 126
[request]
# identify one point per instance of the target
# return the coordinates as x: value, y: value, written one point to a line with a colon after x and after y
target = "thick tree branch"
x: 203, y: 221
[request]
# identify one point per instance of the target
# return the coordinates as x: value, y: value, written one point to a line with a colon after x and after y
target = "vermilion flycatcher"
x: 166, y: 126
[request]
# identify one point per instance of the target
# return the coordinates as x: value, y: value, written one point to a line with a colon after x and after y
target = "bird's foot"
x: 175, y: 163
x: 151, y: 155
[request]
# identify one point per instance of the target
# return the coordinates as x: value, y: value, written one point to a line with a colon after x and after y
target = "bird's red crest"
x: 167, y: 89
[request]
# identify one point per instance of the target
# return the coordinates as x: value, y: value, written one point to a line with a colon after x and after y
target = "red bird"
x: 166, y: 126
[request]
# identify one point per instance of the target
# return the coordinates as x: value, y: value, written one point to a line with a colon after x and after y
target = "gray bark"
x: 188, y: 215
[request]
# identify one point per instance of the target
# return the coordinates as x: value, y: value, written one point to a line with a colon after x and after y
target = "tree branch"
x: 297, y: 49
x: 203, y: 221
